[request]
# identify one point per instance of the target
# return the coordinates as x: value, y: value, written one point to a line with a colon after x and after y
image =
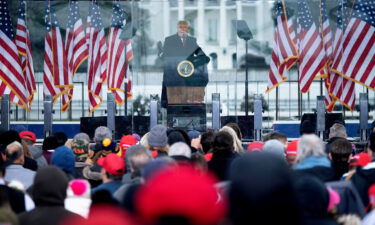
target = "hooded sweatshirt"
x: 49, y: 192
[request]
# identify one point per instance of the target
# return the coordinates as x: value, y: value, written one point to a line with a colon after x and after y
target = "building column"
x: 239, y: 10
x: 223, y: 41
x: 260, y: 9
x: 200, y: 23
x: 181, y: 11
x: 166, y: 18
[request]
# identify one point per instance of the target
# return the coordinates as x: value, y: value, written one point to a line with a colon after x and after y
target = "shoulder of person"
x: 173, y: 36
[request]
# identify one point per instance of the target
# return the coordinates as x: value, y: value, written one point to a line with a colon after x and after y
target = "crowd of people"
x: 170, y: 176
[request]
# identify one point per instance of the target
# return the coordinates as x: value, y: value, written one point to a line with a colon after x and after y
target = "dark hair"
x: 371, y: 143
x: 61, y: 138
x: 236, y: 128
x: 341, y: 150
x: 174, y: 137
x: 9, y: 136
x: 207, y: 139
x: 278, y: 136
x: 49, y: 142
x: 114, y: 177
x: 223, y: 142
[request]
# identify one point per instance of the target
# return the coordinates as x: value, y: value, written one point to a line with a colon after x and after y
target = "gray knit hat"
x: 158, y: 136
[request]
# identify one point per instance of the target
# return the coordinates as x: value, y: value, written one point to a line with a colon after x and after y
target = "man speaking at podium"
x: 185, y: 67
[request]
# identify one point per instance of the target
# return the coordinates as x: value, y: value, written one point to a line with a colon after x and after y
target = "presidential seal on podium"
x: 185, y: 68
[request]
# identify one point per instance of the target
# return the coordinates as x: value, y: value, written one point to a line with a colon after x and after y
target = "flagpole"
x: 126, y: 97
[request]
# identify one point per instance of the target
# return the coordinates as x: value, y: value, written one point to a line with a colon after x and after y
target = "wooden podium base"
x: 185, y: 95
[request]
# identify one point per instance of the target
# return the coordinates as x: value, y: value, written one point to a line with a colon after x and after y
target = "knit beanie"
x: 158, y: 136
x: 64, y: 158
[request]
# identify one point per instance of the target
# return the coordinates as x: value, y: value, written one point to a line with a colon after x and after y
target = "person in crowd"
x: 10, y: 136
x: 104, y: 214
x: 15, y: 171
x: 370, y: 217
x: 340, y: 155
x: 64, y: 158
x: 82, y: 136
x: 359, y: 160
x: 280, y: 137
x: 102, y: 138
x: 174, y: 136
x: 311, y: 158
x: 223, y: 155
x: 195, y: 141
x: 180, y: 195
x: 261, y: 191
x: 48, y: 147
x: 80, y: 147
x: 207, y: 139
x: 291, y: 151
x: 7, y: 216
x: 266, y: 137
x: 236, y: 128
x: 49, y: 193
x: 193, y: 134
x: 275, y: 147
x: 180, y: 152
x: 137, y: 157
x: 144, y: 139
x: 364, y: 177
x: 113, y: 168
x: 29, y: 138
x: 237, y: 144
x: 255, y: 146
x: 199, y: 161
x: 126, y: 142
x: 313, y: 201
x: 19, y: 201
x: 337, y: 131
x: 307, y: 127
x: 78, y: 197
x: 158, y: 141
x: 61, y: 138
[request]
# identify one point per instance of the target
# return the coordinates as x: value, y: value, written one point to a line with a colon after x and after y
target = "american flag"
x: 356, y: 61
x: 57, y: 77
x: 97, y: 63
x: 24, y: 49
x: 326, y: 34
x: 311, y: 51
x: 11, y: 75
x: 129, y: 57
x: 118, y: 61
x: 341, y: 88
x: 75, y: 46
x: 284, y: 53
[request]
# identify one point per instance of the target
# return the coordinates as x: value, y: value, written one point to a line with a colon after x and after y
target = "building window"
x: 234, y: 60
x: 212, y: 30
x: 214, y: 60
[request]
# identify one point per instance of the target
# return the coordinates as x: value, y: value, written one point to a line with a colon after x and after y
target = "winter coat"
x: 362, y: 180
x: 49, y: 192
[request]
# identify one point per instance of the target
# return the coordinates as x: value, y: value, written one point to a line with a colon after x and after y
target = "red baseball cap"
x: 113, y: 164
x: 125, y: 142
x: 255, y: 146
x: 28, y: 135
x: 185, y: 192
x: 361, y: 159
